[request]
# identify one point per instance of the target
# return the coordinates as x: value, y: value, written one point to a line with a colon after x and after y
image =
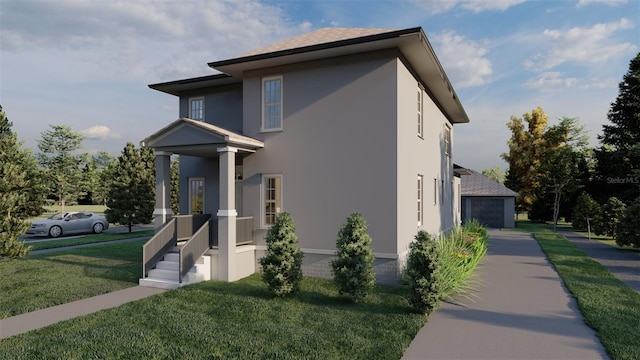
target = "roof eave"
x: 178, y: 87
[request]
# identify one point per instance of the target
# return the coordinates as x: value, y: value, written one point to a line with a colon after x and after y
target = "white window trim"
x: 190, y: 107
x: 263, y: 183
x: 262, y: 103
x: 447, y: 140
x: 420, y: 99
x: 420, y: 203
x: 203, y: 193
x: 435, y: 191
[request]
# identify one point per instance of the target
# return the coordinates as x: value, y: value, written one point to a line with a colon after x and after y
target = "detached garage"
x: 492, y: 203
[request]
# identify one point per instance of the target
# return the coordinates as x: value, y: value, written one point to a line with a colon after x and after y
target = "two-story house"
x: 332, y: 122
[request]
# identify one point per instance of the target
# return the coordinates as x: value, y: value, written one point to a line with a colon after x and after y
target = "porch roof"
x: 197, y: 138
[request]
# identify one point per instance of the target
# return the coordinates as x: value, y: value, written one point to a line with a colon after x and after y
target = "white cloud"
x: 593, y: 44
x: 440, y: 6
x: 99, y: 132
x: 464, y: 60
x: 550, y: 81
x: 606, y: 2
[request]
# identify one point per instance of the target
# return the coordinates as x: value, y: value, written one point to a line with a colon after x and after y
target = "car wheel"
x: 97, y: 228
x: 55, y: 231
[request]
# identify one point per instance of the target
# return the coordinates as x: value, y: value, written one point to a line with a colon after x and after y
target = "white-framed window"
x: 196, y: 108
x: 196, y: 196
x: 271, y: 198
x: 420, y: 111
x: 441, y: 192
x: 420, y: 196
x: 435, y: 191
x: 447, y: 140
x: 272, y: 103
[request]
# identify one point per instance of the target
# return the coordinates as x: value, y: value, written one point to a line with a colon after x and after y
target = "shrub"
x: 353, y: 268
x: 610, y: 215
x: 282, y: 265
x: 628, y: 229
x: 424, y: 274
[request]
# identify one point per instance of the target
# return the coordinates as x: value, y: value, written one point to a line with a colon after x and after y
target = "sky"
x: 87, y: 64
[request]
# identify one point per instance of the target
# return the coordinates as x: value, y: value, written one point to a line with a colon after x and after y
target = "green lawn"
x: 241, y: 320
x: 41, y: 281
x: 608, y: 305
x: 87, y: 239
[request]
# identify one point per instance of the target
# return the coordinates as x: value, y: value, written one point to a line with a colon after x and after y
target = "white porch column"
x: 227, y: 215
x: 162, y: 212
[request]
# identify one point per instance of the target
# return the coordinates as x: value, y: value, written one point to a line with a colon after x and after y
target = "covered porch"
x: 216, y: 230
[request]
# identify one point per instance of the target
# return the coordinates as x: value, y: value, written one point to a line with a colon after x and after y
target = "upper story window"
x: 420, y: 111
x: 447, y: 140
x: 196, y: 108
x: 272, y: 103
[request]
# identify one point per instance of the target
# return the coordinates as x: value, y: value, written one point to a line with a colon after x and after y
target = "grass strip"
x: 44, y: 280
x: 240, y: 320
x: 607, y: 304
x: 88, y: 239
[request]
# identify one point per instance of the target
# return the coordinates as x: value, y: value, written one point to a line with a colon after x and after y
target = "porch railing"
x: 244, y: 231
x: 154, y: 249
x: 188, y: 224
x: 193, y: 249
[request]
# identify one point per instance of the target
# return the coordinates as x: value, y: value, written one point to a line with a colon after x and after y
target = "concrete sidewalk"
x: 38, y: 319
x: 522, y: 311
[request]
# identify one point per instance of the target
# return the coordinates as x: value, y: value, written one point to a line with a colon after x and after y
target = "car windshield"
x: 58, y: 216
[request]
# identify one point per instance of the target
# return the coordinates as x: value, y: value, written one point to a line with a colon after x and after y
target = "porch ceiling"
x: 197, y: 138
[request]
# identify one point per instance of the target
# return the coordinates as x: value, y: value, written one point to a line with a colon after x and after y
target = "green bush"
x: 628, y: 229
x: 424, y: 274
x: 353, y: 268
x: 282, y: 265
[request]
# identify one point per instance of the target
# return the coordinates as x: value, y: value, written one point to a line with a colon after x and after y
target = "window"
x: 272, y: 103
x: 196, y: 108
x: 196, y: 196
x: 420, y: 180
x: 435, y: 191
x: 420, y: 108
x: 442, y: 193
x: 272, y: 198
x: 447, y: 140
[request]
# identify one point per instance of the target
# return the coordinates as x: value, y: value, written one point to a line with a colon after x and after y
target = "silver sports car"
x: 69, y: 223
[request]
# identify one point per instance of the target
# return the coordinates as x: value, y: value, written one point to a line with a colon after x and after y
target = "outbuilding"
x: 492, y: 203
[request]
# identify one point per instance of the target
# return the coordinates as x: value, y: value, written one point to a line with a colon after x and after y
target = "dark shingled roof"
x: 477, y: 184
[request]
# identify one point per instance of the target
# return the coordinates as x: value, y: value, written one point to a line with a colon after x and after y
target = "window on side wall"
x: 435, y: 191
x: 420, y: 93
x: 196, y: 108
x: 447, y: 140
x: 196, y: 196
x: 272, y: 103
x: 271, y: 198
x: 420, y: 197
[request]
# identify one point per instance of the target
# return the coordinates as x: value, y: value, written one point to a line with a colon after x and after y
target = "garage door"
x: 489, y: 211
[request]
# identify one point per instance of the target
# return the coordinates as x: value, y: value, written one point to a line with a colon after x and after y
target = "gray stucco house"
x: 492, y: 203
x: 332, y: 122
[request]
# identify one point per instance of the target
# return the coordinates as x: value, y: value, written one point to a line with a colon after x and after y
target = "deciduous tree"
x: 496, y: 174
x: 585, y: 212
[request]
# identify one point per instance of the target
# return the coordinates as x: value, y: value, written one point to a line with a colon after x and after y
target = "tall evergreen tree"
x: 21, y: 193
x: 618, y: 166
x: 61, y: 164
x: 132, y: 193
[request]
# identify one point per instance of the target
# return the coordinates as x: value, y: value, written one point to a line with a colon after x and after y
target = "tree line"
x: 557, y: 175
x: 61, y: 174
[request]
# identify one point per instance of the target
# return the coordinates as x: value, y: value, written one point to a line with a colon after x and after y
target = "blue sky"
x: 87, y: 64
